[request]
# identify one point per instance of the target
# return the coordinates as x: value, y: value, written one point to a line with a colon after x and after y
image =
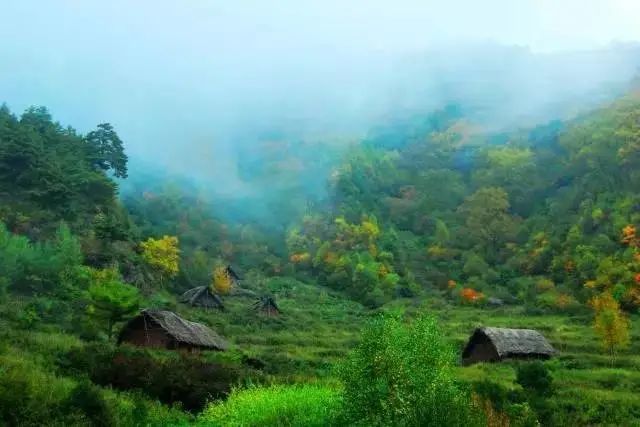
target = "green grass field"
x: 317, y: 328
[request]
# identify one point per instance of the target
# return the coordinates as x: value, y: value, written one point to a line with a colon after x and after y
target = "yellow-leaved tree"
x: 610, y: 323
x: 221, y: 281
x: 163, y: 255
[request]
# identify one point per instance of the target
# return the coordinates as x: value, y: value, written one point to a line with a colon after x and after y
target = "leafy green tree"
x: 441, y: 234
x: 603, y: 147
x: 475, y: 266
x: 403, y: 375
x: 49, y: 266
x: 111, y: 300
x: 487, y: 217
x: 514, y: 169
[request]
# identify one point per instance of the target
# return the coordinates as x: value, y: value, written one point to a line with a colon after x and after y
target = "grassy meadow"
x: 316, y: 330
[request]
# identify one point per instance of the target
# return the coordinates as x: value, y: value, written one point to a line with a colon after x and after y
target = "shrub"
x: 39, y: 267
x: 581, y: 407
x: 185, y: 379
x: 133, y: 408
x: 111, y: 299
x: 505, y: 403
x: 281, y: 405
x: 88, y: 398
x: 30, y: 396
x: 86, y: 360
x: 494, y: 392
x: 402, y: 375
x: 535, y: 378
x: 537, y: 382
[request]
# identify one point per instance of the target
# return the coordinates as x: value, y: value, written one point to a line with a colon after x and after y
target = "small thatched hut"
x: 267, y: 305
x: 495, y: 302
x: 233, y: 275
x: 496, y: 344
x: 202, y: 296
x: 165, y: 329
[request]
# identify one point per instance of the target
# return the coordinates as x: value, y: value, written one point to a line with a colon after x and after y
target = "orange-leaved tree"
x: 300, y: 257
x: 629, y: 236
x: 471, y: 295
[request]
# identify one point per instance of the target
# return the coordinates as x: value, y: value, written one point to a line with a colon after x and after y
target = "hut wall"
x: 526, y: 356
x: 149, y: 335
x: 481, y: 350
x: 271, y: 311
x: 186, y: 348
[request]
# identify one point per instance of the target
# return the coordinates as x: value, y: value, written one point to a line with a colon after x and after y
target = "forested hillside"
x: 430, y: 213
x: 543, y: 216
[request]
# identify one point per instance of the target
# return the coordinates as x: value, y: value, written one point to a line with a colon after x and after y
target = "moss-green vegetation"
x: 530, y: 229
x: 402, y: 375
x: 34, y: 392
x: 284, y: 405
x: 590, y: 387
x: 316, y: 331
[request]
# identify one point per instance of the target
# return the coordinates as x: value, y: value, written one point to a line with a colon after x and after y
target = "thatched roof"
x: 184, y: 331
x: 267, y: 304
x: 496, y: 302
x: 231, y: 272
x: 203, y: 297
x: 513, y: 342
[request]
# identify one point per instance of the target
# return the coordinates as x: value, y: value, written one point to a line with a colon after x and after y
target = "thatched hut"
x: 496, y: 344
x: 267, y: 305
x: 165, y: 329
x: 233, y: 275
x: 495, y: 302
x: 202, y: 296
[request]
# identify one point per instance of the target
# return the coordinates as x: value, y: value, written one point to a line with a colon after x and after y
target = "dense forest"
x: 543, y: 216
x: 429, y: 226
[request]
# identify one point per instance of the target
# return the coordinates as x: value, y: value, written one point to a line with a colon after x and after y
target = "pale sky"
x: 285, y: 24
x: 172, y: 74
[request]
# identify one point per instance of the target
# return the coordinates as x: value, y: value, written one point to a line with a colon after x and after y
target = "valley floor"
x: 318, y: 328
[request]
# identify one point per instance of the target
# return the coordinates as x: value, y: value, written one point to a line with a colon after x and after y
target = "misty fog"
x: 201, y: 91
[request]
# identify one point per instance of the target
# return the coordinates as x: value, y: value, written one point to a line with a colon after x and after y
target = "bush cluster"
x: 527, y: 405
x: 398, y: 375
x: 294, y: 405
x: 185, y: 379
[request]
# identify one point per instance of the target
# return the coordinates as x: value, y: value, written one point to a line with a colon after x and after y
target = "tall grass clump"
x: 402, y: 375
x: 31, y: 396
x: 277, y: 405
